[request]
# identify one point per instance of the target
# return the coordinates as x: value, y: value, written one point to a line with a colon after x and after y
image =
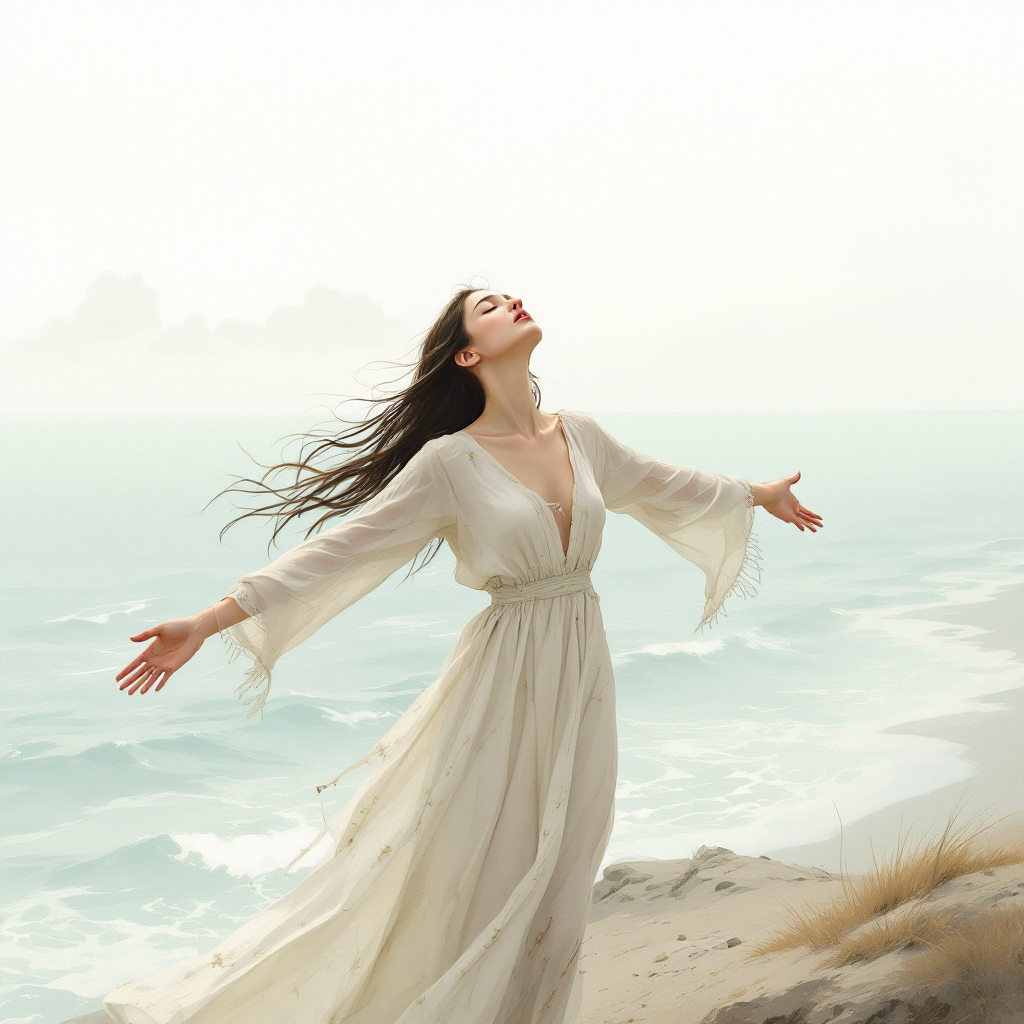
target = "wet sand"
x: 994, y: 741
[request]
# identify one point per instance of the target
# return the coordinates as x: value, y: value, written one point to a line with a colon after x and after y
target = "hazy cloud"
x: 114, y: 355
x: 114, y: 308
x: 120, y: 309
x: 326, y: 318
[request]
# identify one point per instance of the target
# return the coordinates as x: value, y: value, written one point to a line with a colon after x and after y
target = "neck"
x: 509, y: 406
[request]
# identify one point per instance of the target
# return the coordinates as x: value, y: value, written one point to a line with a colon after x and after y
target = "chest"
x: 548, y: 509
x: 546, y: 468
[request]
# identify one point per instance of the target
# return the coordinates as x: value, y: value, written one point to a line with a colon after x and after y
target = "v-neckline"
x: 529, y: 490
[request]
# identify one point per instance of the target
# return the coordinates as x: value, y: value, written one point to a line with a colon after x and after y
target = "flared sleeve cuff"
x: 249, y: 638
x: 740, y: 568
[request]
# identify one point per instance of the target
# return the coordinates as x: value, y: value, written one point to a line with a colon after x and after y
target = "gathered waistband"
x: 548, y: 586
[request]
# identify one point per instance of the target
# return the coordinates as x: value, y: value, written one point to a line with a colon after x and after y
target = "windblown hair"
x: 442, y: 399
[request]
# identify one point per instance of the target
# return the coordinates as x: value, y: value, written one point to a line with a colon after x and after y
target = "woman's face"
x: 496, y: 324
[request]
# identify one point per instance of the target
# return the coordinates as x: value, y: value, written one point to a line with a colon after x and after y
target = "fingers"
x: 157, y: 674
x: 141, y: 671
x: 128, y: 668
x: 143, y: 678
x: 140, y: 678
x: 808, y: 520
x: 146, y: 634
x: 146, y: 680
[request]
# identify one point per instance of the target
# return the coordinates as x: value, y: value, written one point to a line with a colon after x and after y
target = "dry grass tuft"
x: 884, y: 935
x: 898, y: 879
x: 985, y: 954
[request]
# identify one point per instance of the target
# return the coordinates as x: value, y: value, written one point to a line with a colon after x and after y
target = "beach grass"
x: 860, y: 924
x: 985, y: 955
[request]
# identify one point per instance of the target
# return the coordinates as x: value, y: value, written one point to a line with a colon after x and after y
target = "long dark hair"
x: 442, y: 398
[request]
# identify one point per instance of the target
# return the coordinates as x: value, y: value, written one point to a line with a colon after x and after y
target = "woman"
x: 459, y: 877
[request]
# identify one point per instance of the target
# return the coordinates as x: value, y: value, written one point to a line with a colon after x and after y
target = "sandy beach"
x: 993, y: 742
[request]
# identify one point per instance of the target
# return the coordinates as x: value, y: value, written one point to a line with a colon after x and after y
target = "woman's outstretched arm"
x: 271, y: 610
x: 175, y: 642
x: 707, y: 518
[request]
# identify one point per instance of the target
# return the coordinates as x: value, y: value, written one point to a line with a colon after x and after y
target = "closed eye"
x: 493, y: 308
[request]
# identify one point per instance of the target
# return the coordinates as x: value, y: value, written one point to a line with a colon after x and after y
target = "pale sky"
x: 225, y: 207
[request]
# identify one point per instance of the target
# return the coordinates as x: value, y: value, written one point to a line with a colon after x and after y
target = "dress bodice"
x: 502, y: 532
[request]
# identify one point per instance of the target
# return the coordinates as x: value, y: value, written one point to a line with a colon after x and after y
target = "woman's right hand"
x: 174, y: 643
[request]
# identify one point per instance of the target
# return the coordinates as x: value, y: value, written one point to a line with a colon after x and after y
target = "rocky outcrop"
x: 672, y: 942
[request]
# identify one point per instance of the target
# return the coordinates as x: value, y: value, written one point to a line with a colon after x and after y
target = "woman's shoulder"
x: 576, y: 414
x: 583, y: 421
x: 440, y: 450
x: 425, y: 459
x: 438, y: 444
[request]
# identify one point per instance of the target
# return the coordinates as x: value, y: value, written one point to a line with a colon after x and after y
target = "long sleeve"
x: 292, y: 597
x: 707, y: 518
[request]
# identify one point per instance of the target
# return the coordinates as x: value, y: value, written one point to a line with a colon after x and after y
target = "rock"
x: 617, y: 872
x: 660, y: 957
x: 685, y: 877
x: 711, y: 851
x: 764, y: 856
x: 733, y: 942
x: 615, y: 877
x: 723, y: 885
x: 821, y: 1000
x: 741, y: 888
x: 680, y: 938
x: 785, y: 1008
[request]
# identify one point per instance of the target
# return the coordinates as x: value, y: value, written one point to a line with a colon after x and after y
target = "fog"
x: 240, y: 207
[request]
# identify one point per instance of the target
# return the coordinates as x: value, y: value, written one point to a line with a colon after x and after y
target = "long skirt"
x: 459, y: 878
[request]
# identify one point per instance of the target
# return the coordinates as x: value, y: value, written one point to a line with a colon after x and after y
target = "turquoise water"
x: 141, y: 829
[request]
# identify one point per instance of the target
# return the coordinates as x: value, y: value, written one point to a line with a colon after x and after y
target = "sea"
x: 140, y: 830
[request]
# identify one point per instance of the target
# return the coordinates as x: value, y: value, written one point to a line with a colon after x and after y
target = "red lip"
x: 519, y: 316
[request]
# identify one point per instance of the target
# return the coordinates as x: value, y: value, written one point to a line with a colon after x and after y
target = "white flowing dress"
x: 459, y: 878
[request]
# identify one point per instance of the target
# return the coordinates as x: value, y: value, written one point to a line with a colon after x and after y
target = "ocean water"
x: 138, y: 830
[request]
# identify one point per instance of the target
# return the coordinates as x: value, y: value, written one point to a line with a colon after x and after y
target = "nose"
x: 516, y: 304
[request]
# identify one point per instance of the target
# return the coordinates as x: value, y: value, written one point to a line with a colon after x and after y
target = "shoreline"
x: 993, y: 743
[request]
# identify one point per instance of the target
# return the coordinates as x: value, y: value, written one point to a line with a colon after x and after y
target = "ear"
x: 467, y: 358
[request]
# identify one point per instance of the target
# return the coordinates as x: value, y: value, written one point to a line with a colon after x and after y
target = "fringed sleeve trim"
x: 255, y: 687
x: 748, y: 577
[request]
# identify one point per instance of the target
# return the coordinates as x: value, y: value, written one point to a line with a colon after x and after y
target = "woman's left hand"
x: 781, y: 502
